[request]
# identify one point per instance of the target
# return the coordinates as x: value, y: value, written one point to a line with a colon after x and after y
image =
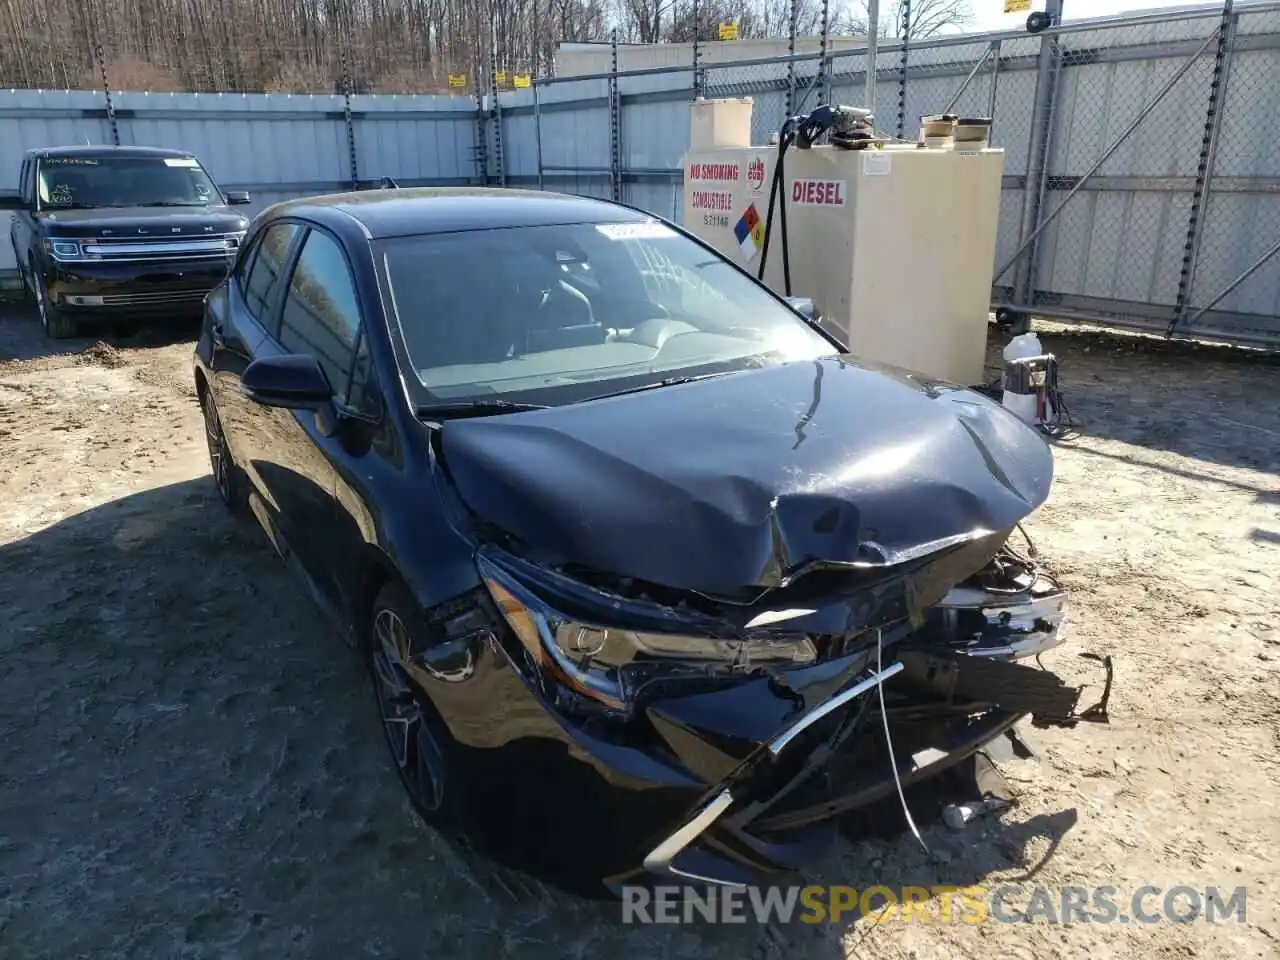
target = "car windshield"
x: 79, y: 183
x: 548, y: 313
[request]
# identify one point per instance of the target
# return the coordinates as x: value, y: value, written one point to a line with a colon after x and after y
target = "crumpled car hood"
x: 743, y: 480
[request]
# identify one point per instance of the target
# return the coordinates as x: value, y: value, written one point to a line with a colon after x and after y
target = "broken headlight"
x: 1004, y: 625
x: 611, y: 665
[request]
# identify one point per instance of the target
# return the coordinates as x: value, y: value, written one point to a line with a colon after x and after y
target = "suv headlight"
x: 65, y: 249
x: 611, y: 665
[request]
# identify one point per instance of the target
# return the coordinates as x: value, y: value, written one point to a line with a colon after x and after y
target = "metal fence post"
x: 496, y: 112
x: 537, y: 130
x: 824, y: 62
x: 791, y: 53
x: 1205, y: 165
x: 905, y: 32
x: 698, y: 71
x: 537, y: 42
x: 1042, y: 119
x: 106, y: 92
x: 615, y: 159
x: 482, y: 130
x: 873, y: 46
x: 353, y: 169
x: 995, y: 77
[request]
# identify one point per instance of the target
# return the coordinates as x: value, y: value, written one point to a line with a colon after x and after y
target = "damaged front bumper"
x: 736, y: 778
x: 745, y: 815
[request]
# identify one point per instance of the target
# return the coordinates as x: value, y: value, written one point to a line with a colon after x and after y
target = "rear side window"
x: 321, y: 314
x: 264, y: 268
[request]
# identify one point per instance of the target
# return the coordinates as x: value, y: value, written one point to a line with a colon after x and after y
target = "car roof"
x: 424, y: 210
x: 106, y: 150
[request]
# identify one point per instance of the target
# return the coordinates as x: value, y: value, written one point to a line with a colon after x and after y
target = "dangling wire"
x: 888, y: 742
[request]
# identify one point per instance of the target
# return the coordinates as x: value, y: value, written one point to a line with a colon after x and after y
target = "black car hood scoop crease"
x: 745, y: 479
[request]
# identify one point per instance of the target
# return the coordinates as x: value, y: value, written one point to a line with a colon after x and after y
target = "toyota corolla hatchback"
x: 651, y: 578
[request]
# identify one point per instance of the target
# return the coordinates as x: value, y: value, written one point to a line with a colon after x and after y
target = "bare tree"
x: 928, y: 18
x: 388, y: 46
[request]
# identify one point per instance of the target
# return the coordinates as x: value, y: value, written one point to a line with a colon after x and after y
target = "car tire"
x: 57, y: 325
x: 228, y: 479
x: 28, y: 295
x: 423, y: 751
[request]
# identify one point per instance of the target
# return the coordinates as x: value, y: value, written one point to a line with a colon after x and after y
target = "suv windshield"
x: 578, y: 310
x: 78, y: 183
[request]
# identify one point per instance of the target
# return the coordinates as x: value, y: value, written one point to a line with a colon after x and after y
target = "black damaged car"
x: 111, y: 232
x: 649, y: 574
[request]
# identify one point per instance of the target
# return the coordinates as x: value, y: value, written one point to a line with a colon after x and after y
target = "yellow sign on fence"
x: 729, y: 30
x: 1017, y: 6
x: 457, y: 79
x: 521, y: 81
x: 500, y: 76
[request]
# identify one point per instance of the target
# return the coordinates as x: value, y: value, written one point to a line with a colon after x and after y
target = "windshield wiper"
x: 177, y: 203
x: 669, y: 382
x: 473, y: 408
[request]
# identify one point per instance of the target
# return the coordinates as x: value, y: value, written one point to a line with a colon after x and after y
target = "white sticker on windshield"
x: 180, y: 162
x: 646, y: 230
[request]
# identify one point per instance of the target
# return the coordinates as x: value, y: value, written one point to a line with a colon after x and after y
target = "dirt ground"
x: 190, y: 763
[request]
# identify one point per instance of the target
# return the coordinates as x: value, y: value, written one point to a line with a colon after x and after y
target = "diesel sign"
x: 818, y: 193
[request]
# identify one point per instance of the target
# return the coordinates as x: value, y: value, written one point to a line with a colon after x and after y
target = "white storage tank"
x: 895, y: 246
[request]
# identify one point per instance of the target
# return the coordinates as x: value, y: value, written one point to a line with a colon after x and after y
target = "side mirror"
x: 12, y: 203
x: 294, y: 381
x: 804, y: 306
x: 237, y: 196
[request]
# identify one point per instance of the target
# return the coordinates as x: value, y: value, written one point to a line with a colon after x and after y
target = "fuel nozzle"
x: 850, y: 127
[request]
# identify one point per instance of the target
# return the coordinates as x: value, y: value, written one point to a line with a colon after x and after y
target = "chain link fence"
x: 1234, y: 286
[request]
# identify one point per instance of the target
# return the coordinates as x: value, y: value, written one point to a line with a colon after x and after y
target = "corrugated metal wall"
x: 1113, y: 241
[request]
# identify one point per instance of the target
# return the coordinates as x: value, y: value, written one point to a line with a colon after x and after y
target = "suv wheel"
x: 421, y: 746
x: 23, y: 283
x: 57, y: 325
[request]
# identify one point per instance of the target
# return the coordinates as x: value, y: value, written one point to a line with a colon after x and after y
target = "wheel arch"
x: 374, y: 572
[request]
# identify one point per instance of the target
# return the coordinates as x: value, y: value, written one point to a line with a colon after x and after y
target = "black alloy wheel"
x: 419, y: 742
x: 226, y: 476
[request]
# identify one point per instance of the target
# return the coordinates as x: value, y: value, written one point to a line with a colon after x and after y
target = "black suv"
x: 110, y: 231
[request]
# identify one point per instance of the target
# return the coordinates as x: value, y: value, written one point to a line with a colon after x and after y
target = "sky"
x: 990, y: 15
